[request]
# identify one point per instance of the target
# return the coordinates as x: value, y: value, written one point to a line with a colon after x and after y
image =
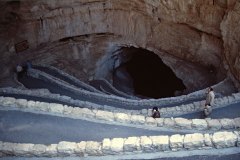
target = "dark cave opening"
x: 150, y: 77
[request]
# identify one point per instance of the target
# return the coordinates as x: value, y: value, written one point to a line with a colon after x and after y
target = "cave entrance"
x: 144, y: 73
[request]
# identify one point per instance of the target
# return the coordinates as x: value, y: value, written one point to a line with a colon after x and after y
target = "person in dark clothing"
x: 155, y: 112
x: 28, y: 65
x: 19, y: 71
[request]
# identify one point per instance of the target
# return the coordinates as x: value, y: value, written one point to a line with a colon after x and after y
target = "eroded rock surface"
x: 197, y: 38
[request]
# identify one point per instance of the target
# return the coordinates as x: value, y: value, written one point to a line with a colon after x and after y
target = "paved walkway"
x: 103, y: 86
x: 230, y: 111
x: 23, y: 127
x: 62, y: 77
x: 33, y: 83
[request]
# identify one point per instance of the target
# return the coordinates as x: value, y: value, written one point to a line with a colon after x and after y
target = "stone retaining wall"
x: 44, y: 93
x: 126, y: 118
x: 121, y: 146
x: 171, y: 111
x: 165, y: 112
x: 122, y: 94
x: 80, y: 83
x: 150, y: 102
x: 89, y: 87
x: 198, y: 106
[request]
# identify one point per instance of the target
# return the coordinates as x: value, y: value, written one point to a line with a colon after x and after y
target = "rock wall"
x: 75, y: 35
x: 230, y: 35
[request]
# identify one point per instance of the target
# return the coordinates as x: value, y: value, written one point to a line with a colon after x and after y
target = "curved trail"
x: 229, y: 111
x: 22, y: 127
x: 33, y: 83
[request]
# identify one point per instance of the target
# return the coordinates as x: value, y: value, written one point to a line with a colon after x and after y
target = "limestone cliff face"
x: 231, y: 38
x: 82, y: 35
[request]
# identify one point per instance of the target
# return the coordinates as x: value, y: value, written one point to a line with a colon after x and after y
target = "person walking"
x: 209, y: 102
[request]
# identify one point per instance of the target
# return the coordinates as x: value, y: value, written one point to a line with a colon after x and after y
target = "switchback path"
x: 34, y: 83
x: 23, y: 127
x: 64, y: 78
x: 229, y: 111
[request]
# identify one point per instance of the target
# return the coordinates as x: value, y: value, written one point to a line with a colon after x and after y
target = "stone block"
x: 31, y: 104
x: 176, y: 142
x: 83, y: 112
x: 7, y: 148
x: 208, y: 141
x: 197, y: 104
x: 214, y: 124
x: 117, y: 145
x: 80, y: 149
x: 169, y: 122
x: 137, y: 119
x: 55, y: 108
x: 162, y: 110
x: 9, y: 102
x: 146, y: 144
x: 237, y: 122
x: 160, y: 122
x: 42, y: 106
x: 183, y: 123
x: 237, y: 133
x: 132, y: 144
x: 67, y: 110
x: 199, y: 124
x: 21, y: 103
x: 122, y: 117
x: 224, y: 139
x: 105, y: 115
x: 151, y: 121
x: 1, y: 144
x: 39, y: 150
x: 225, y: 100
x: 160, y: 143
x: 194, y: 141
x: 230, y: 99
x: 106, y: 146
x: 236, y: 96
x: 93, y: 148
x: 188, y: 108
x: 66, y: 148
x: 22, y: 149
x: 51, y: 150
x: 149, y: 114
x: 227, y: 123
x: 1, y: 99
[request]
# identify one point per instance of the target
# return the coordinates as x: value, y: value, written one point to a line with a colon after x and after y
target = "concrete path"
x: 62, y: 77
x: 33, y: 83
x: 103, y: 86
x: 22, y: 127
x: 229, y: 111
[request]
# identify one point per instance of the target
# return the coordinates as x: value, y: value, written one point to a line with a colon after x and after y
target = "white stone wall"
x: 119, y: 117
x: 130, y: 145
x: 165, y: 112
